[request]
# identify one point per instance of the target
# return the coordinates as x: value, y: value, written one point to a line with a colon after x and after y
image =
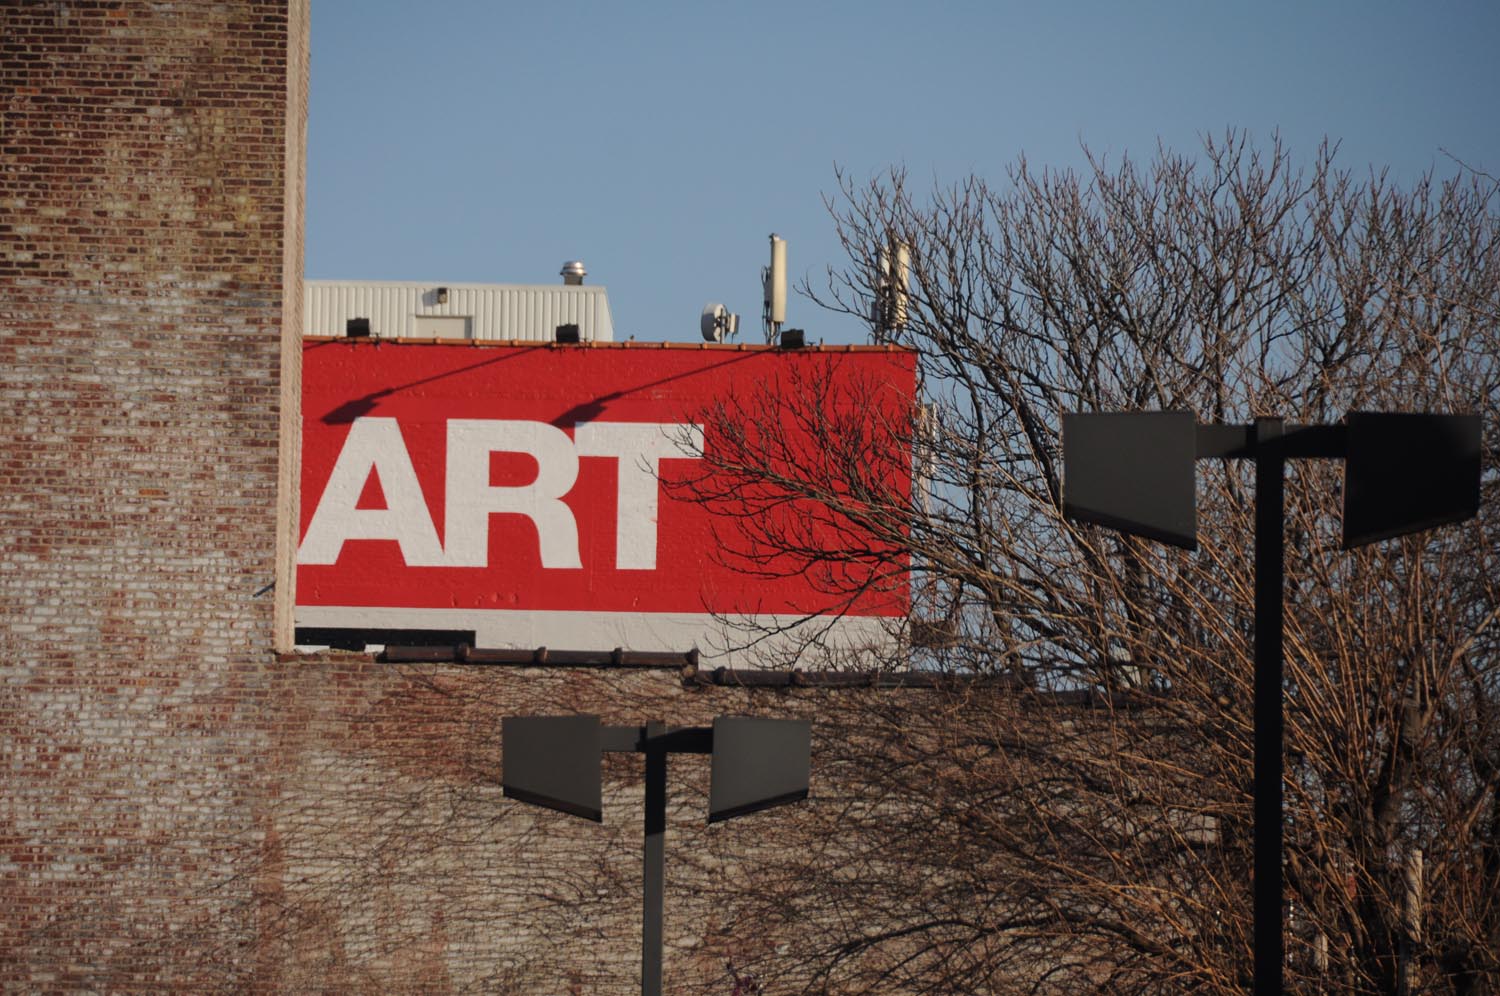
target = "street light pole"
x: 554, y: 762
x: 1270, y: 576
x: 1404, y: 473
x: 654, y: 865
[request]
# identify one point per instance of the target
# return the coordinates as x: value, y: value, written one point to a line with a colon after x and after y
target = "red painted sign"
x: 640, y: 485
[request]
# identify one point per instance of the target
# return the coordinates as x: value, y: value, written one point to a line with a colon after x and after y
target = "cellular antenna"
x: 900, y: 279
x: 893, y: 276
x: 773, y: 280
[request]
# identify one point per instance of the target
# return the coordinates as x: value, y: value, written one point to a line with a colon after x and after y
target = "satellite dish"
x: 717, y: 322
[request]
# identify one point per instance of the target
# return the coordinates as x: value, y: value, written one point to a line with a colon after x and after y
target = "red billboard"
x: 638, y: 495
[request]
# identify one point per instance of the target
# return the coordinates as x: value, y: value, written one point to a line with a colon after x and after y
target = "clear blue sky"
x: 661, y: 143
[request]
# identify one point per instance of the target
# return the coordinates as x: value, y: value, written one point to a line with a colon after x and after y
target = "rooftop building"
x: 431, y: 310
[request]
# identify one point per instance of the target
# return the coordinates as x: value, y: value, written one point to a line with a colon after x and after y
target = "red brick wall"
x: 143, y: 236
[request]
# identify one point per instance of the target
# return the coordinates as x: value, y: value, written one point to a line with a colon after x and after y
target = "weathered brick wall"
x: 143, y: 179
x: 392, y: 863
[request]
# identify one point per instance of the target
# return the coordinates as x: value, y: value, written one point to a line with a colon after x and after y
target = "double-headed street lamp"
x: 554, y: 762
x: 1403, y: 473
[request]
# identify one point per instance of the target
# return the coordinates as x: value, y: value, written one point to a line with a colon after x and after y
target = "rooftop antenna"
x: 893, y: 276
x: 773, y: 280
x: 718, y: 323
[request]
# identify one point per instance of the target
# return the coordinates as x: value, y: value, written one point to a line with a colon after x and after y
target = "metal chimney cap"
x: 573, y: 272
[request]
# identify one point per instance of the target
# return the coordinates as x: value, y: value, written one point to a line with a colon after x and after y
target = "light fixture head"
x: 1133, y: 471
x: 553, y: 762
x: 757, y: 764
x: 1409, y: 472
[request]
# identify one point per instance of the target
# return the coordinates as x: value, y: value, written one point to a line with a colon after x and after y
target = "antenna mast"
x: 773, y: 281
x: 893, y: 275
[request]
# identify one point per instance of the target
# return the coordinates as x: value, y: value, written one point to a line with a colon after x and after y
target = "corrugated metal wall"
x: 498, y: 311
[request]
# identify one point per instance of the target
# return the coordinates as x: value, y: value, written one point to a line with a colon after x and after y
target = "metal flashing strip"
x: 723, y: 347
x: 694, y: 676
x: 540, y: 657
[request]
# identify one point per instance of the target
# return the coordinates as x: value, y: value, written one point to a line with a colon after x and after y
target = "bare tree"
x: 991, y: 842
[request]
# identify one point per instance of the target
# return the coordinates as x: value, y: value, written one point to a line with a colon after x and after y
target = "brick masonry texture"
x: 142, y: 178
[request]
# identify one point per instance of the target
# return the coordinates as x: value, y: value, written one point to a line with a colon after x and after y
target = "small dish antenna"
x: 718, y: 323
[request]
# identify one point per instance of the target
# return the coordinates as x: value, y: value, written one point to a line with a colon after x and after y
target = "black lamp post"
x: 553, y: 761
x: 1403, y: 473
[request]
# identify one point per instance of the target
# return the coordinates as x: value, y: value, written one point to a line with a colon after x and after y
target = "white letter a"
x: 373, y: 444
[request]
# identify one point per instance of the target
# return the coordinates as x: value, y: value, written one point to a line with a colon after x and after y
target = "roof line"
x: 736, y: 347
x: 463, y: 284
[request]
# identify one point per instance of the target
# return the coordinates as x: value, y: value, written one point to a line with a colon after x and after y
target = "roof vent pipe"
x: 573, y: 273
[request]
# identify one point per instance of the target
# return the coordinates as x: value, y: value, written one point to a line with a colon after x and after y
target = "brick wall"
x: 143, y: 220
x: 392, y: 863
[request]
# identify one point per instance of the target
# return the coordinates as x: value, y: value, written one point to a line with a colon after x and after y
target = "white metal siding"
x: 498, y: 311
